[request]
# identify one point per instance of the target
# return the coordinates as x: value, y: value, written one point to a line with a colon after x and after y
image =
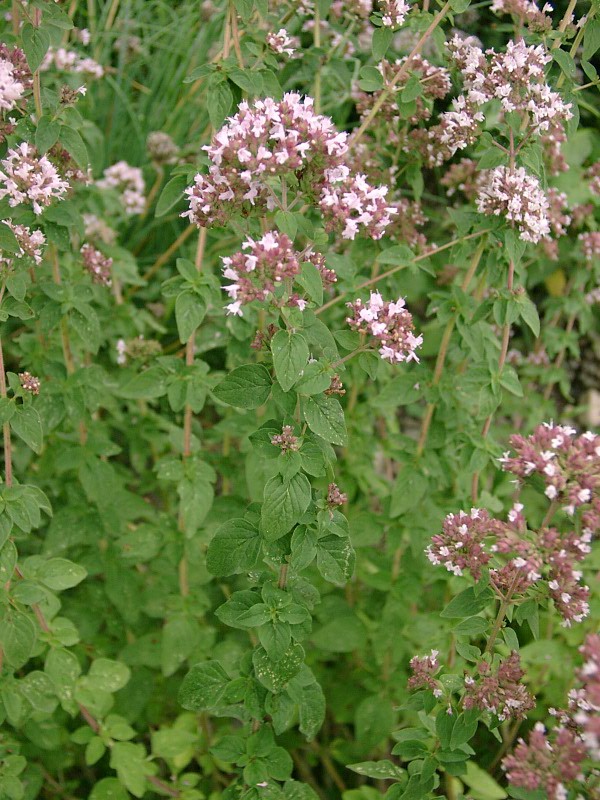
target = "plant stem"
x: 501, y: 361
x: 317, y: 43
x: 8, y: 474
x: 560, y: 357
x: 427, y: 254
x: 153, y: 191
x: 399, y: 75
x: 235, y: 33
x: 504, y: 604
x: 443, y: 351
x: 184, y: 588
x: 64, y: 335
x: 37, y: 92
x: 163, y: 258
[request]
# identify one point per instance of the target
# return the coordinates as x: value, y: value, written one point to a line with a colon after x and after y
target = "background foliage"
x: 185, y: 611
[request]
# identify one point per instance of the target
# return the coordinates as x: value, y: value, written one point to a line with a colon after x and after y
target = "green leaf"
x: 234, y: 548
x: 591, y: 38
x: 46, y: 133
x: 129, y: 761
x: 148, y: 385
x: 409, y: 488
x: 245, y: 387
x: 108, y: 789
x: 171, y: 195
x: 529, y: 315
x: 60, y: 573
x: 109, y: 675
x: 219, y: 102
x: 275, y: 637
x: 382, y: 39
x: 36, y: 42
x: 26, y: 423
x: 324, y: 416
x: 284, y: 504
x: 203, y: 686
x: 481, y: 783
x: 286, y: 222
x: 471, y: 626
x: 311, y: 709
x: 380, y: 770
x: 274, y: 675
x: 8, y: 241
x: 190, y: 309
x: 74, y: 144
x: 370, y: 79
x: 335, y: 559
x: 173, y: 742
x: 565, y: 62
x: 290, y: 356
x: 17, y: 637
x: 467, y: 603
x: 310, y: 280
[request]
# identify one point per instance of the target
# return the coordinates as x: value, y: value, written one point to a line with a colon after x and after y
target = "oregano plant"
x: 299, y: 396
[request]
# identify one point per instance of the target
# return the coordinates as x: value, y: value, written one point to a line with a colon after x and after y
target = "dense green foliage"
x: 213, y: 524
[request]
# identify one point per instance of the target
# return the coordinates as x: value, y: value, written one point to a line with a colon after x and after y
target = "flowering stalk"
x: 37, y: 94
x: 443, y: 350
x: 8, y: 477
x: 501, y: 361
x: 400, y: 74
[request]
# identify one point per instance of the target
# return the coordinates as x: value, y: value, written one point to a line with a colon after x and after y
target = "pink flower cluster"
x: 128, y: 181
x: 30, y: 383
x: 526, y: 11
x: 30, y: 244
x: 68, y: 61
x: 515, y: 77
x: 424, y: 668
x: 257, y: 273
x: 460, y: 545
x: 11, y: 89
x: 388, y: 322
x: 279, y: 139
x: 584, y: 702
x: 500, y: 692
x: 393, y: 12
x: 592, y: 174
x: 568, y: 464
x: 97, y: 265
x: 517, y: 195
x: 286, y: 440
x: 520, y: 558
x: 546, y: 762
x: 353, y: 203
x: 590, y: 244
x: 29, y: 178
x: 282, y: 43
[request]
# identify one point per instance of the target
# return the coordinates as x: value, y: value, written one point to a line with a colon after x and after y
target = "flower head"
x: 390, y: 324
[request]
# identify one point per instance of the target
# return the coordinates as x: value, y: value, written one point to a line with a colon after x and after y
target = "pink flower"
x: 28, y: 178
x: 128, y: 181
x: 390, y: 323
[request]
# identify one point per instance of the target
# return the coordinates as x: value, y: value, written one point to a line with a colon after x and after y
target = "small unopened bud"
x: 161, y: 148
